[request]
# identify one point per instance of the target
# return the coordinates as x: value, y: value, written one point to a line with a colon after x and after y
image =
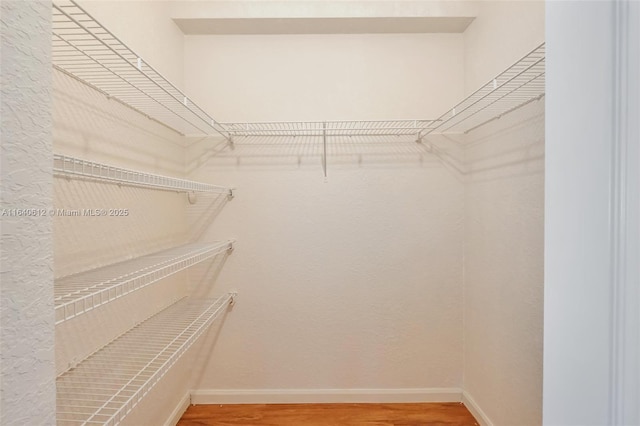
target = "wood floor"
x: 452, y: 413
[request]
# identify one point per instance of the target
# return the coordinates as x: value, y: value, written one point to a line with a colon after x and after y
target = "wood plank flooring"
x: 452, y: 413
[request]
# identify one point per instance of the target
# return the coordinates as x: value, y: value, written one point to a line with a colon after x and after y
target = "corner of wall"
x: 504, y: 181
x: 475, y: 409
x: 503, y: 32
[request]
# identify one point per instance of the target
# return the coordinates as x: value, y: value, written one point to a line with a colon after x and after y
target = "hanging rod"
x: 106, y: 386
x: 87, y: 51
x: 79, y: 293
x: 520, y: 84
x: 75, y: 167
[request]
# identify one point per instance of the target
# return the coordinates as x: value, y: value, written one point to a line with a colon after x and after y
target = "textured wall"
x: 26, y: 335
x: 504, y: 226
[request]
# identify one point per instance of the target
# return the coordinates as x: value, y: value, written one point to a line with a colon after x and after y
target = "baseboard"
x: 298, y: 396
x: 179, y: 410
x: 475, y: 409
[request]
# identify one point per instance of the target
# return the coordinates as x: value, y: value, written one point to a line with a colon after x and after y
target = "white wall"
x: 90, y: 126
x: 502, y: 33
x: 350, y: 289
x: 503, y: 267
x: 350, y: 284
x: 504, y: 226
x: 27, y: 388
x: 312, y: 77
x: 147, y: 28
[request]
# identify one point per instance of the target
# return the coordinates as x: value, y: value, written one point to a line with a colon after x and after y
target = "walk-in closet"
x: 276, y: 202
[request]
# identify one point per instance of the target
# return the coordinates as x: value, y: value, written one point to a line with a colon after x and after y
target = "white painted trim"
x: 177, y: 412
x: 578, y: 151
x: 298, y: 396
x: 624, y: 386
x: 475, y: 409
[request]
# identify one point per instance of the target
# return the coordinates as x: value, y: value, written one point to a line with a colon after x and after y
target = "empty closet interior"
x: 262, y: 202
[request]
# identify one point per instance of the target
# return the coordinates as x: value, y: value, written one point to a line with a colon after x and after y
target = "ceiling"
x: 323, y: 25
x: 323, y: 17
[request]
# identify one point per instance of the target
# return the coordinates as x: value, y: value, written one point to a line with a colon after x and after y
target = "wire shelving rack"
x: 87, y: 51
x: 520, y: 84
x: 106, y: 386
x: 75, y: 167
x: 77, y: 294
x: 331, y: 128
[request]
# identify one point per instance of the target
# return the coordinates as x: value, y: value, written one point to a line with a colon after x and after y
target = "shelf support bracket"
x: 324, y: 148
x: 234, y: 296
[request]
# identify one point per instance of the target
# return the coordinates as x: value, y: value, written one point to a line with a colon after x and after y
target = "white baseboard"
x: 297, y: 396
x: 179, y: 410
x: 475, y: 409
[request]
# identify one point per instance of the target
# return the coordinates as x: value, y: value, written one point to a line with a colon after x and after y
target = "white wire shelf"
x: 79, y: 293
x: 106, y: 386
x: 520, y: 84
x: 323, y: 131
x: 331, y: 128
x: 87, y: 51
x: 75, y: 167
